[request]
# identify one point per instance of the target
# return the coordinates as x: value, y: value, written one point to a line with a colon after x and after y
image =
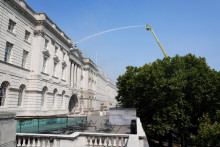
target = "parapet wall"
x: 7, y: 129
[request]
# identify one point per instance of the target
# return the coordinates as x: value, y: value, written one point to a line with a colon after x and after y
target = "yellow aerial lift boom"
x: 149, y: 28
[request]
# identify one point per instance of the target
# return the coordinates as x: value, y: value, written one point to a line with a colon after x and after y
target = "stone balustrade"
x: 105, y: 140
x: 84, y: 139
x: 77, y: 139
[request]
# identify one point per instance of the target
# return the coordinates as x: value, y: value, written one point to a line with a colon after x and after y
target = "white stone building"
x: 41, y: 72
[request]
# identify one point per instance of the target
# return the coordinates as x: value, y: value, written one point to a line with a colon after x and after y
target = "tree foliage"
x: 172, y: 92
x: 208, y: 133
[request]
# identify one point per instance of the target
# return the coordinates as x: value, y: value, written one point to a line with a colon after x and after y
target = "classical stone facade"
x: 41, y: 72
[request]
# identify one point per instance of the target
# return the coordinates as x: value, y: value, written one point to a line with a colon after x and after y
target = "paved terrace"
x: 99, y: 122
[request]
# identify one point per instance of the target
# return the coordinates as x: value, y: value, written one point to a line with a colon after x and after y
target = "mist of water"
x: 107, y: 31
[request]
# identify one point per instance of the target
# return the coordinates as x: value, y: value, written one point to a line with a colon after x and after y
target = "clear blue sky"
x: 182, y: 26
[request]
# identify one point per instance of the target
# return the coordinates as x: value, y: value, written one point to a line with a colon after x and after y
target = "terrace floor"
x: 99, y: 123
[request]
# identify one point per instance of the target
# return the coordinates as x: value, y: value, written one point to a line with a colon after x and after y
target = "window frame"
x: 21, y: 95
x: 24, y: 58
x: 44, y: 66
x: 63, y: 73
x: 3, y: 95
x: 43, y: 97
x: 27, y: 36
x: 55, y: 69
x: 56, y: 50
x: 8, y: 49
x: 54, y: 97
x: 46, y: 43
x: 11, y: 25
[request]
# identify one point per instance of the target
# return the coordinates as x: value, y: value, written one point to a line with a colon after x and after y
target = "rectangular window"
x: 11, y: 25
x: 44, y: 64
x: 24, y: 58
x: 56, y: 49
x: 63, y: 73
x: 54, y: 69
x: 27, y: 35
x: 46, y: 44
x: 8, y: 51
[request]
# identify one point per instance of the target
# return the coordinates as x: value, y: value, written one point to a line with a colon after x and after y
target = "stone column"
x: 71, y: 73
x: 82, y: 81
x: 79, y: 77
x: 75, y: 75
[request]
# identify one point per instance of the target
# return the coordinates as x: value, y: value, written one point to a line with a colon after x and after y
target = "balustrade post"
x: 23, y: 142
x: 103, y: 140
x: 122, y: 141
x: 93, y: 141
x: 117, y: 141
x: 28, y: 142
x: 112, y: 141
x: 19, y: 142
x: 88, y: 140
x: 43, y: 143
x: 38, y: 142
x: 33, y: 143
x: 49, y: 143
x: 98, y: 140
x: 107, y: 141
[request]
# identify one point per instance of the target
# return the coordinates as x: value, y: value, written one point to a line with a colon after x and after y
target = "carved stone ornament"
x: 46, y: 53
x: 53, y: 41
x: 64, y: 63
x: 39, y: 33
x: 56, y: 59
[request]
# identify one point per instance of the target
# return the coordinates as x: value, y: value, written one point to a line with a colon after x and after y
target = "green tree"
x: 208, y: 133
x: 173, y: 92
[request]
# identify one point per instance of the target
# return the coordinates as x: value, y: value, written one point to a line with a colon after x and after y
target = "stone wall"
x: 8, y: 129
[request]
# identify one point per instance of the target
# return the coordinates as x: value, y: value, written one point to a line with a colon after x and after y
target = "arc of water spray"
x: 107, y: 31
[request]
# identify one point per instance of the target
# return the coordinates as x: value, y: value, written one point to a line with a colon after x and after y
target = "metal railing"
x: 44, y: 125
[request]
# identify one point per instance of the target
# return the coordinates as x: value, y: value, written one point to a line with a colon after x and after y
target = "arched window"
x: 44, y: 93
x: 54, y: 97
x: 3, y: 90
x: 63, y: 100
x: 21, y: 95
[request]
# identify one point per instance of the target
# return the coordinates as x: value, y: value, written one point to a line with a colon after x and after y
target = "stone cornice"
x: 39, y: 33
x: 21, y: 10
x: 32, y: 16
x: 54, y: 31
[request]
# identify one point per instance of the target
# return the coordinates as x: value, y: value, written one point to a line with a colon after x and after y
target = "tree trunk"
x: 160, y: 140
x: 170, y: 138
x: 183, y: 137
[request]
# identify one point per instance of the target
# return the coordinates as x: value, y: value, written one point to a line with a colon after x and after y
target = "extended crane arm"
x: 149, y: 28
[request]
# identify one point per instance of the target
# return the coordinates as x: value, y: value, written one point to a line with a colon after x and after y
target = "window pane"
x: 44, y: 64
x: 7, y: 51
x: 56, y: 48
x: 54, y: 69
x: 46, y: 43
x: 3, y: 89
x: 11, y: 25
x: 27, y: 34
x: 43, y: 96
x: 25, y: 53
x: 63, y: 70
x: 20, y: 95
